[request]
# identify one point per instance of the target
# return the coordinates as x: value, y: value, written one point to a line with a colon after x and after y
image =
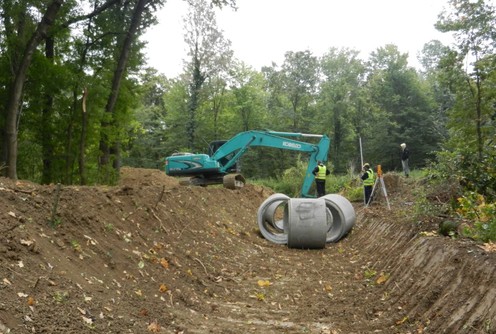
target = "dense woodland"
x: 79, y: 101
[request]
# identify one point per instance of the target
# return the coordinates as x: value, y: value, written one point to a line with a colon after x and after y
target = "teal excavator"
x: 220, y: 165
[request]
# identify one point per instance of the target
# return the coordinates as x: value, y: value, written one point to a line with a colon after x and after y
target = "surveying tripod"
x: 379, y: 182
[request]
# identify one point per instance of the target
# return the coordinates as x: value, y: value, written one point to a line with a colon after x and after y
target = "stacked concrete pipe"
x: 305, y: 222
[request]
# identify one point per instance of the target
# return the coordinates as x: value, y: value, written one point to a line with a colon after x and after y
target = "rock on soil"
x: 151, y: 256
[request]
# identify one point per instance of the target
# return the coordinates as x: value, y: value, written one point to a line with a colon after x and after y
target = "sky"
x: 262, y: 31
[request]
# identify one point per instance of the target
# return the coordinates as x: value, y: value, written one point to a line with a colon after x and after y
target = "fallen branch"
x: 204, y: 268
x: 160, y: 197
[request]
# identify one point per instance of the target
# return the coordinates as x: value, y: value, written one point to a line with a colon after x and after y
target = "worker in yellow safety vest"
x: 368, y: 182
x: 320, y: 172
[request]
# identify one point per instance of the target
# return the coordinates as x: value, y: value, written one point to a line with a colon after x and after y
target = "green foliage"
x: 340, y: 104
x: 354, y: 194
x: 108, y: 227
x: 449, y: 228
x: 433, y: 194
x: 438, y: 192
x: 60, y: 296
x: 470, y: 153
x: 369, y: 273
x: 291, y: 180
x: 145, y: 145
x: 481, y: 215
x: 67, y: 61
x: 475, y: 175
x: 55, y: 222
x: 339, y: 183
x: 279, y: 185
x: 423, y: 206
x: 404, y: 107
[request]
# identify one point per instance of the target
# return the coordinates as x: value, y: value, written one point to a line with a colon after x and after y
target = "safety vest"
x: 321, y: 175
x: 370, y: 180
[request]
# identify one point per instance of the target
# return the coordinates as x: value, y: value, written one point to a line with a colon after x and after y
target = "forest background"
x: 78, y: 100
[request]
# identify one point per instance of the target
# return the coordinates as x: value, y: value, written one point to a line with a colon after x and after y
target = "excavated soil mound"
x: 151, y: 256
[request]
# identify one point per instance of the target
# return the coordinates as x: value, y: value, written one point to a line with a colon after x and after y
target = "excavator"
x: 220, y: 165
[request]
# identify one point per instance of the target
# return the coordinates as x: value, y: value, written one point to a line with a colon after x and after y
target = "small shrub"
x: 369, y: 273
x: 473, y: 206
x: 76, y: 246
x: 353, y: 194
x: 55, y: 222
x: 449, y: 228
x: 109, y: 227
x: 338, y: 183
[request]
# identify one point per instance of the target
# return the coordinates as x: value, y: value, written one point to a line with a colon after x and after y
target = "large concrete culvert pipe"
x: 274, y: 215
x: 272, y: 229
x: 307, y: 222
x: 343, y: 217
x: 304, y: 222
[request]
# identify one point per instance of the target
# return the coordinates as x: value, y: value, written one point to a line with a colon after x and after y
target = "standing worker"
x: 320, y: 172
x: 405, y: 154
x: 368, y: 182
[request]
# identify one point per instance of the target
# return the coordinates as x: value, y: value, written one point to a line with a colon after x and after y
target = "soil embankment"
x: 151, y: 256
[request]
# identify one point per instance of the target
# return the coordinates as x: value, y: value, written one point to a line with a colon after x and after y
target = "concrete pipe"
x: 274, y: 215
x: 307, y: 222
x: 343, y: 216
x: 270, y: 229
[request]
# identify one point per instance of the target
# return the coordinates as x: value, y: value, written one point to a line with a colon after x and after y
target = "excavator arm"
x: 238, y: 145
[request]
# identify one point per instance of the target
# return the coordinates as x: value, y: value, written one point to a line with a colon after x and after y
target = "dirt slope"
x: 151, y: 256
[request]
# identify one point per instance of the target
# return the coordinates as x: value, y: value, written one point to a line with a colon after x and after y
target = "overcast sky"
x: 261, y: 31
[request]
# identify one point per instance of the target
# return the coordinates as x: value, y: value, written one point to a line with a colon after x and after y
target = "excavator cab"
x: 214, y: 146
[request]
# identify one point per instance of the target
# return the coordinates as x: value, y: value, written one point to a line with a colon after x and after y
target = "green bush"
x: 480, y: 216
x: 354, y: 194
x: 477, y: 175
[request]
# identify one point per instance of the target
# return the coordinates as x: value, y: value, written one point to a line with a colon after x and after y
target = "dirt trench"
x: 151, y: 256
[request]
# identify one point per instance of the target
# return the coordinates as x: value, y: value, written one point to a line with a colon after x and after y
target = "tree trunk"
x: 82, y: 142
x: 46, y: 127
x: 105, y: 145
x: 217, y: 106
x: 196, y: 85
x: 17, y: 88
x: 480, y: 141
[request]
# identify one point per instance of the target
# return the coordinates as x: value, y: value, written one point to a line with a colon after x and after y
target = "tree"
x: 397, y: 91
x: 249, y: 102
x: 109, y: 145
x: 472, y: 116
x: 474, y: 27
x: 434, y: 54
x: 340, y: 113
x: 209, y: 56
x: 146, y: 147
x: 299, y: 75
x: 17, y: 84
x: 23, y: 35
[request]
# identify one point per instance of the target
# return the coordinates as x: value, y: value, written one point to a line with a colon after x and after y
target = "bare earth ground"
x: 151, y: 256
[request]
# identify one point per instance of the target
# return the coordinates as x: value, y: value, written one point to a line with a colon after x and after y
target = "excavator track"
x: 233, y: 181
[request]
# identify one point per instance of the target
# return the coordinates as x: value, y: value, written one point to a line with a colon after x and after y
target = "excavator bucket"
x: 233, y: 181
